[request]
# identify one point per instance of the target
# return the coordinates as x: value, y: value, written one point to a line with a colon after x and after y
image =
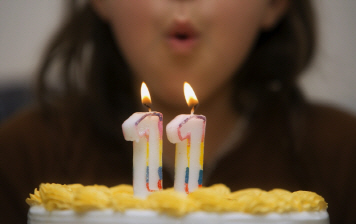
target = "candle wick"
x: 193, y: 108
x: 149, y: 108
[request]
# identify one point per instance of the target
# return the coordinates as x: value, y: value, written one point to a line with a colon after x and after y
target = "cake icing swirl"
x: 216, y: 198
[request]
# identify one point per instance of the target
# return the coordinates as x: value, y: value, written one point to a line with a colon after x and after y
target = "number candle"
x: 187, y: 131
x: 145, y: 130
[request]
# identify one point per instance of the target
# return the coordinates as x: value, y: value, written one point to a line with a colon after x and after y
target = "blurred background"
x: 26, y: 26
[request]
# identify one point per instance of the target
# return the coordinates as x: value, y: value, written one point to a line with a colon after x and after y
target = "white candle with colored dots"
x: 187, y: 131
x: 145, y: 130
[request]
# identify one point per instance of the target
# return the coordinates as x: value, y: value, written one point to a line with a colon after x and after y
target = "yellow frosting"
x: 217, y: 198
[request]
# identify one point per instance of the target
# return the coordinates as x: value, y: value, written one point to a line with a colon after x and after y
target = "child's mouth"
x: 182, y: 37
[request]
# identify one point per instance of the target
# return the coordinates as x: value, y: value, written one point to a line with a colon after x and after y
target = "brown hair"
x: 270, y: 74
x: 93, y: 74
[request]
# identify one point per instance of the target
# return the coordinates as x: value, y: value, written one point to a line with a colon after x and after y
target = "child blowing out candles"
x: 243, y: 58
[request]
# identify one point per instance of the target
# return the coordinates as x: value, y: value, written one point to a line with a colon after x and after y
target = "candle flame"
x: 145, y: 96
x: 190, y: 96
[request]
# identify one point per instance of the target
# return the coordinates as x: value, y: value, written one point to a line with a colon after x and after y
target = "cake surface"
x: 55, y: 203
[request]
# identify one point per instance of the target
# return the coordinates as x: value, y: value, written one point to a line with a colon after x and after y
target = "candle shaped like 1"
x: 145, y: 130
x: 187, y: 131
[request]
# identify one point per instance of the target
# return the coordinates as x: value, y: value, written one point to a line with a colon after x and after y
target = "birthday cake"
x: 55, y: 203
x: 188, y: 202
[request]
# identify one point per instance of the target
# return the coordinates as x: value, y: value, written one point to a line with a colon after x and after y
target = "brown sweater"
x: 320, y: 158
